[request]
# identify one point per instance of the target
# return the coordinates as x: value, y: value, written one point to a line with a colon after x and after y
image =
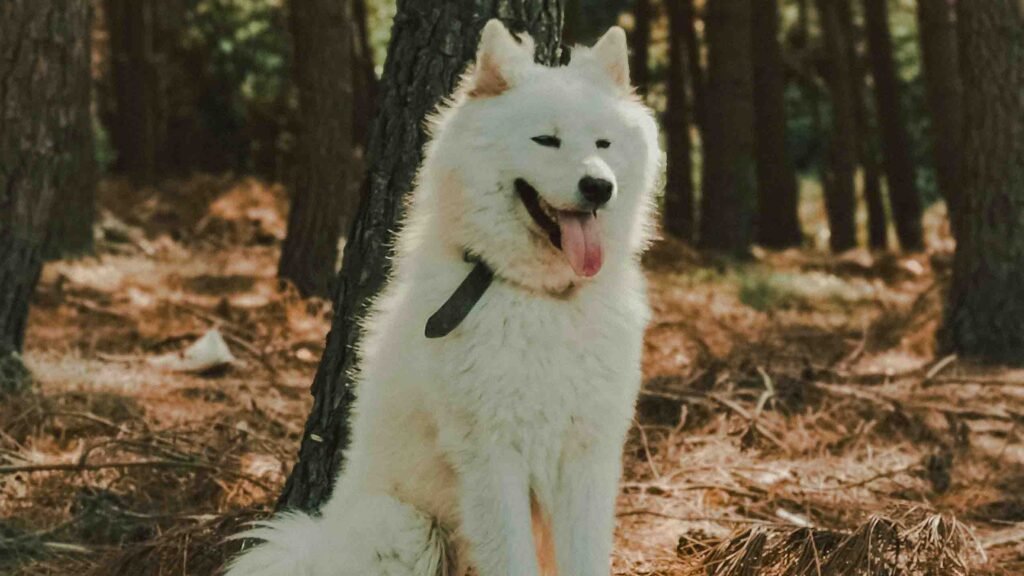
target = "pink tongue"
x: 581, y: 242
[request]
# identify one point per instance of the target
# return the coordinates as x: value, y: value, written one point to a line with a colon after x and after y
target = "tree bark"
x: 325, y: 73
x: 679, y: 191
x: 729, y: 182
x: 71, y: 226
x: 944, y: 92
x: 778, y: 223
x: 143, y: 37
x: 900, y: 174
x: 867, y: 151
x: 985, y: 308
x: 43, y: 45
x: 640, y: 44
x: 693, y: 52
x: 838, y: 175
x: 432, y: 42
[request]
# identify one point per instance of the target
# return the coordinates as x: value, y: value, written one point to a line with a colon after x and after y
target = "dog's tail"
x: 290, y: 544
x: 374, y: 536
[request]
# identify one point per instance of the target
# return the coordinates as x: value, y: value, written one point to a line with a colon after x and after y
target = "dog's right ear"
x: 499, y: 60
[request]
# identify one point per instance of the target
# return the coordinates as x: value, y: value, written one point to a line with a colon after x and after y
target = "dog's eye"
x: 602, y: 143
x: 549, y: 141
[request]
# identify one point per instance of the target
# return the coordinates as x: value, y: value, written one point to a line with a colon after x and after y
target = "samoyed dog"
x: 501, y: 365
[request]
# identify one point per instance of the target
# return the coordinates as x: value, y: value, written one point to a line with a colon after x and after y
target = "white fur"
x: 534, y: 392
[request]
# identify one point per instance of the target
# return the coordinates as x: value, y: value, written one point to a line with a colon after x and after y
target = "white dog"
x: 501, y: 365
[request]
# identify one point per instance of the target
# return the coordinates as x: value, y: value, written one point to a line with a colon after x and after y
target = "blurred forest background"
x: 832, y: 381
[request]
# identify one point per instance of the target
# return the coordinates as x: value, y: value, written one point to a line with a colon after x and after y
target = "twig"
x: 647, y: 450
x: 647, y: 512
x: 86, y: 467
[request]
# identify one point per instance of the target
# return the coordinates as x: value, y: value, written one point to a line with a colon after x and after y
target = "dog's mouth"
x: 576, y: 233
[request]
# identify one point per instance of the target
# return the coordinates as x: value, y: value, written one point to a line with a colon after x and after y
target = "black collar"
x: 459, y: 304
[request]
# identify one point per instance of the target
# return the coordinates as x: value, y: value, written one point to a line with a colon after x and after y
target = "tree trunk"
x: 365, y: 82
x: 71, y: 226
x: 729, y: 181
x: 778, y: 223
x: 867, y: 151
x: 939, y: 57
x: 322, y: 36
x: 696, y: 70
x: 838, y: 175
x: 640, y: 43
x: 985, y: 311
x: 904, y: 198
x: 143, y: 36
x: 43, y: 45
x: 432, y: 42
x: 679, y: 192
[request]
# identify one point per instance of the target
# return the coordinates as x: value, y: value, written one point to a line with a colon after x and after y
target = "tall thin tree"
x: 640, y: 44
x: 729, y: 183
x: 432, y: 41
x: 325, y: 74
x: 944, y: 91
x: 897, y: 157
x: 43, y: 45
x: 679, y: 190
x: 985, y: 308
x: 778, y: 221
x: 838, y: 174
x: 865, y: 137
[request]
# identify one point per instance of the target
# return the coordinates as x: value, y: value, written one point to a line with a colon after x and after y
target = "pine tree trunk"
x: 71, y: 226
x: 432, y: 42
x: 325, y: 72
x: 867, y: 150
x: 679, y: 192
x: 43, y: 44
x: 939, y: 57
x: 904, y: 198
x: 143, y: 36
x: 985, y: 310
x: 778, y: 223
x: 640, y: 44
x: 838, y: 175
x: 696, y: 70
x: 729, y: 182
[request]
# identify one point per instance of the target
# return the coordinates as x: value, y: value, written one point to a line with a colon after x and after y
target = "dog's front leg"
x: 495, y: 508
x: 584, y: 517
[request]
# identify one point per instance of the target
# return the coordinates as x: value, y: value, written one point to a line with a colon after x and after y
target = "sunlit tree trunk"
x: 865, y: 138
x: 838, y: 175
x: 778, y: 223
x: 939, y: 57
x: 985, y: 308
x: 640, y: 43
x: 325, y: 73
x: 694, y: 67
x: 904, y: 198
x: 43, y: 46
x: 432, y: 42
x: 679, y: 191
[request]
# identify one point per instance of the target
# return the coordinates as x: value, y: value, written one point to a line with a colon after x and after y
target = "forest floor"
x: 794, y: 415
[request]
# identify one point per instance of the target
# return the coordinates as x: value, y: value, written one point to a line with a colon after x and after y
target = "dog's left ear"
x: 500, y: 58
x: 611, y: 53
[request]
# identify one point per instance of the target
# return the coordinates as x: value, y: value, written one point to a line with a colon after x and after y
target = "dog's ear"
x: 612, y: 55
x: 499, y: 59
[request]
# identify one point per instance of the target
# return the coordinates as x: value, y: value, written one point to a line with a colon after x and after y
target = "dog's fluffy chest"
x: 527, y: 365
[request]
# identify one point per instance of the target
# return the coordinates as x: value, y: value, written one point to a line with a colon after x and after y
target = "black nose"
x: 597, y: 191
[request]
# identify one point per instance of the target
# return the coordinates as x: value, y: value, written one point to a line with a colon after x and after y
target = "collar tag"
x: 457, y: 307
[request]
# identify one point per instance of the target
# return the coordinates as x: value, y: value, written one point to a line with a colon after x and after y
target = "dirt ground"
x: 795, y: 418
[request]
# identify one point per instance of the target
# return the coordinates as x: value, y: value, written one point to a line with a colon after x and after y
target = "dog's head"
x: 546, y: 173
